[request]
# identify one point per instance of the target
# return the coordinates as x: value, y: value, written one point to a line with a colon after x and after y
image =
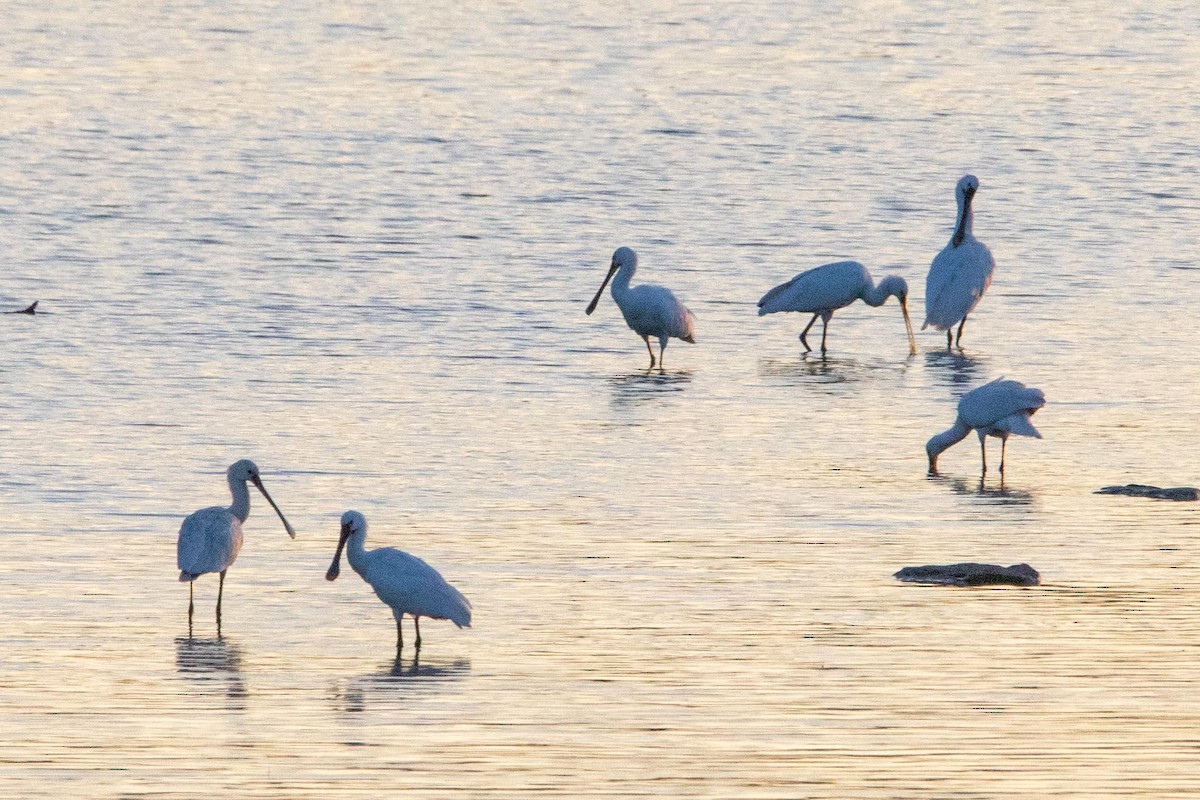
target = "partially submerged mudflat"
x: 1155, y: 492
x: 970, y: 574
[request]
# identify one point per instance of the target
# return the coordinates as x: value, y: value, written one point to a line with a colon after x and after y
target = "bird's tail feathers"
x: 690, y: 339
x: 1021, y: 426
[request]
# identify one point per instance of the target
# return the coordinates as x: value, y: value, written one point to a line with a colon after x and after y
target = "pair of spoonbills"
x: 210, y: 539
x: 957, y: 279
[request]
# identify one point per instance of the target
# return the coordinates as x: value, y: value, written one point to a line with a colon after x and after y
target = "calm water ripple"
x: 355, y: 241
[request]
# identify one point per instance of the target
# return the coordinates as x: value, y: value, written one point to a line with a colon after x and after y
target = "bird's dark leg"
x: 1003, y: 446
x: 949, y: 336
x: 824, y: 330
x: 650, y: 349
x: 804, y: 333
x: 983, y: 452
x: 958, y: 339
x: 220, y: 591
x: 417, y: 625
x: 191, y: 605
x: 662, y: 349
x: 399, y: 634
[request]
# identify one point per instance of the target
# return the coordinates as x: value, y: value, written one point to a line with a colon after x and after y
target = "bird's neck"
x: 962, y: 231
x: 620, y: 283
x: 356, y: 552
x: 877, y: 294
x: 241, y: 499
x: 946, y: 439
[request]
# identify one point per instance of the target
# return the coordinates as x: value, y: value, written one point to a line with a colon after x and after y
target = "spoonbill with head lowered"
x: 648, y: 309
x: 961, y: 273
x: 404, y: 582
x: 822, y: 290
x: 999, y: 408
x: 209, y: 539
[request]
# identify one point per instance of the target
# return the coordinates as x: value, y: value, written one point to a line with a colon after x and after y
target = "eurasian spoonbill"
x: 209, y: 539
x: 648, y: 309
x: 999, y: 408
x: 822, y: 290
x: 402, y: 581
x: 961, y: 273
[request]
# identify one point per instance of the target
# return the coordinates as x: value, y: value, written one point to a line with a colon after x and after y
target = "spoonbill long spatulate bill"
x: 961, y: 273
x: 1000, y: 408
x: 210, y: 539
x: 822, y: 290
x: 648, y: 309
x: 404, y: 582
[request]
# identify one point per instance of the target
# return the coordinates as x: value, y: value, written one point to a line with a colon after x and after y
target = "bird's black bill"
x: 592, y: 305
x: 335, y: 568
x: 287, y: 526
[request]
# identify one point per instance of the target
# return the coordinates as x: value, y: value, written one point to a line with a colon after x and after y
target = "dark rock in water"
x: 30, y: 309
x: 1142, y: 490
x: 969, y: 574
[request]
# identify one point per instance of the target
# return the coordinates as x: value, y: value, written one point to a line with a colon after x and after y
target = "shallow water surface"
x: 355, y: 243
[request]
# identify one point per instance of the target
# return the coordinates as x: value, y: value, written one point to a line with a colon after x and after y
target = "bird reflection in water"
x: 955, y: 367
x: 811, y: 366
x: 212, y: 662
x: 648, y: 385
x: 1000, y: 495
x: 351, y: 696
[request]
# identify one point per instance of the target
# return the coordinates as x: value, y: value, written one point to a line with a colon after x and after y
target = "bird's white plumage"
x: 648, y: 309
x: 825, y: 288
x: 993, y: 404
x: 1000, y: 408
x: 404, y: 582
x: 209, y: 541
x: 962, y: 271
x: 822, y: 290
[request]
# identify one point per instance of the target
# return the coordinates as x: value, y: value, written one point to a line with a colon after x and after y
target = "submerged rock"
x: 970, y: 574
x: 1142, y: 490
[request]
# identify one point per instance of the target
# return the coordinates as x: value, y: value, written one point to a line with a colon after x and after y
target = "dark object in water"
x: 970, y: 574
x: 31, y: 309
x: 1142, y: 490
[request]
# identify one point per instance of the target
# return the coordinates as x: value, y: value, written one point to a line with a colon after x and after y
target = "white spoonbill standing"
x: 648, y: 309
x: 961, y: 273
x: 999, y: 408
x: 209, y: 539
x: 402, y: 581
x: 822, y: 290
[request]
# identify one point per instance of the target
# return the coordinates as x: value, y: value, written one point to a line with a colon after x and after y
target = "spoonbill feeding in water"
x: 402, y: 581
x: 648, y: 309
x: 822, y: 290
x: 961, y: 273
x: 999, y: 408
x: 209, y: 539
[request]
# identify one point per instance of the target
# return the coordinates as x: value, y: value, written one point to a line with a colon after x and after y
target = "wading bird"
x: 209, y: 539
x: 648, y: 309
x: 402, y: 581
x: 822, y: 290
x: 961, y: 273
x: 999, y: 409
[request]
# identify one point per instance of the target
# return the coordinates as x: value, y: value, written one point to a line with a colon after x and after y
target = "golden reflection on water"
x: 353, y: 243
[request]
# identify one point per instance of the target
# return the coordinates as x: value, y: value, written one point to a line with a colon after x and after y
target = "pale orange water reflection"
x: 355, y: 243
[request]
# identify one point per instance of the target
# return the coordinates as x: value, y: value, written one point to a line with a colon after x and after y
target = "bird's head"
x: 244, y: 470
x: 968, y: 185
x: 352, y: 522
x: 622, y: 257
